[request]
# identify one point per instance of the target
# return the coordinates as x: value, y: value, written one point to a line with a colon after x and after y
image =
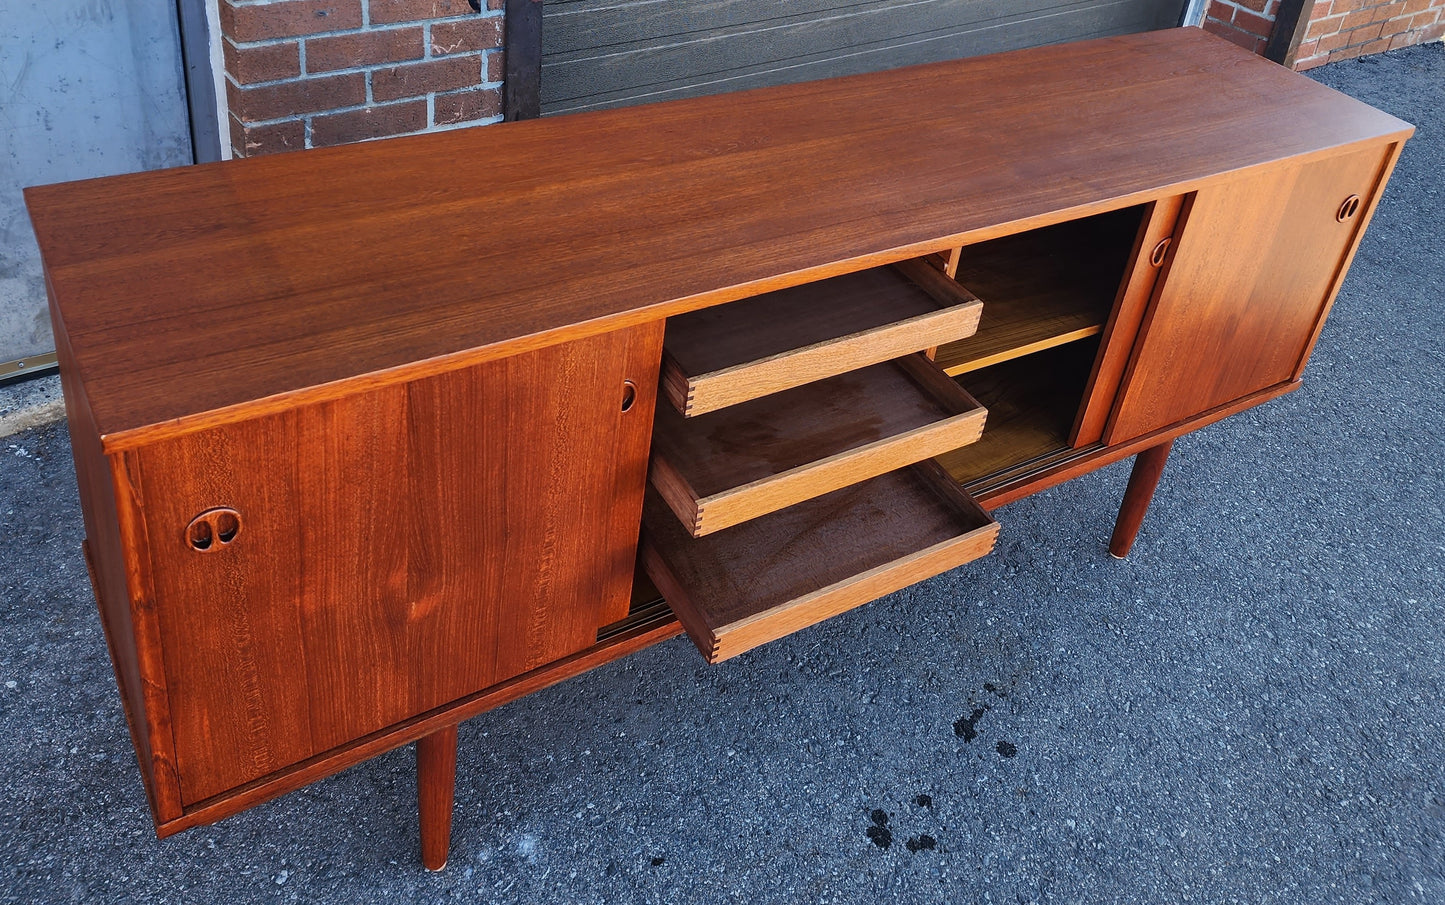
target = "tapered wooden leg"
x: 1148, y: 466
x: 436, y: 776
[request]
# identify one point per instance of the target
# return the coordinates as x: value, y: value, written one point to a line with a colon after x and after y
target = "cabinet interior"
x: 1032, y: 401
x: 1047, y: 296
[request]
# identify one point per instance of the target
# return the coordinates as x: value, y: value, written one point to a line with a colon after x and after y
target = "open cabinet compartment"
x: 1032, y: 403
x: 1042, y: 288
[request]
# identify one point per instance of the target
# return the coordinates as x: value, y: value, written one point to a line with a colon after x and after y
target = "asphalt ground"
x: 1248, y: 709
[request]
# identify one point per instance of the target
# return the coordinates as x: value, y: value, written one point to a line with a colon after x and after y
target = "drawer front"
x: 1257, y: 264
x: 323, y: 573
x: 737, y: 463
x: 790, y: 569
x: 729, y: 354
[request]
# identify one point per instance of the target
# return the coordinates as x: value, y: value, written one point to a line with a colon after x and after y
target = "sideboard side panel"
x: 400, y: 549
x: 112, y: 563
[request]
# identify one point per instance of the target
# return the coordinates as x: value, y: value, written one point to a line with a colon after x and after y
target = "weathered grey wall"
x: 607, y: 53
x: 87, y: 88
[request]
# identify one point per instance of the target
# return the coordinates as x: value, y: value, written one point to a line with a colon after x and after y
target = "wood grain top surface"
x: 194, y: 296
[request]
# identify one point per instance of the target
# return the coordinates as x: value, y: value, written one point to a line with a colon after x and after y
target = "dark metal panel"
x: 602, y: 53
x: 200, y: 80
x: 1289, y: 29
x: 523, y: 41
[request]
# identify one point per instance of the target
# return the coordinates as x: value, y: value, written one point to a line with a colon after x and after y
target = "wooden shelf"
x: 746, y: 460
x: 728, y: 354
x: 1031, y: 403
x: 790, y: 569
x: 1041, y: 288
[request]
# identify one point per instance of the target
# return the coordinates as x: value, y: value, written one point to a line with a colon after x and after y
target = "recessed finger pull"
x: 213, y: 530
x: 1348, y: 208
x: 629, y: 394
x: 1160, y: 251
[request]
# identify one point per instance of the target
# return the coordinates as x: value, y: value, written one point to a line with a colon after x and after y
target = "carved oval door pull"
x: 213, y: 529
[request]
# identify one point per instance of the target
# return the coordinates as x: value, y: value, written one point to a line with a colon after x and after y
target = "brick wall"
x: 1247, y: 23
x: 1342, y: 29
x: 1333, y: 29
x: 312, y: 73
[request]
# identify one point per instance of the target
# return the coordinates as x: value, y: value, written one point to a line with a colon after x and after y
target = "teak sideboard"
x: 366, y: 437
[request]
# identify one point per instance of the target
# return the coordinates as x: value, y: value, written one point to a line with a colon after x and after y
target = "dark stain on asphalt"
x: 924, y: 801
x: 879, y: 832
x: 921, y: 842
x: 1007, y: 749
x: 966, y: 726
x: 657, y: 860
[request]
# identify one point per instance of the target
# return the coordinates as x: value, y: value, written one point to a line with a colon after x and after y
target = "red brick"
x: 254, y: 141
x: 1312, y: 62
x: 423, y: 78
x: 1344, y: 53
x: 266, y: 63
x: 1364, y: 35
x: 1388, y: 11
x: 1251, y: 43
x: 1321, y: 27
x: 302, y: 96
x: 1402, y: 40
x: 371, y: 122
x: 1272, y: 9
x: 388, y: 11
x: 1431, y: 33
x: 288, y: 19
x: 1255, y: 5
x: 1221, y: 11
x: 1214, y: 26
x: 1330, y: 43
x: 1321, y: 9
x: 466, y: 36
x: 1253, y: 23
x: 465, y: 106
x: 496, y: 4
x: 497, y: 66
x: 1417, y: 6
x: 1379, y: 46
x: 367, y: 48
x: 1356, y: 19
x: 1394, y: 26
x: 1424, y: 20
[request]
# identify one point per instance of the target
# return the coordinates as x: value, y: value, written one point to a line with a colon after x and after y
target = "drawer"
x: 774, y: 575
x: 746, y: 460
x: 728, y: 354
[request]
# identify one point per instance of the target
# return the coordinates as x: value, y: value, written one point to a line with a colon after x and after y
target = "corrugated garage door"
x: 607, y: 53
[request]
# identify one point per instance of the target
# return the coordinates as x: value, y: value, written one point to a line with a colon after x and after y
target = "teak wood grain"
x: 1041, y: 288
x: 304, y: 275
x: 1031, y: 405
x: 776, y: 574
x: 436, y: 775
x: 1151, y: 250
x: 728, y: 466
x: 733, y: 353
x: 399, y: 549
x: 1258, y: 259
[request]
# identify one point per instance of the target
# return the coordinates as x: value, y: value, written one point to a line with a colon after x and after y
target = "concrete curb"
x: 30, y: 403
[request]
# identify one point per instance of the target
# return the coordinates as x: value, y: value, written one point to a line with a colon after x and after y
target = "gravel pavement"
x: 1248, y: 709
